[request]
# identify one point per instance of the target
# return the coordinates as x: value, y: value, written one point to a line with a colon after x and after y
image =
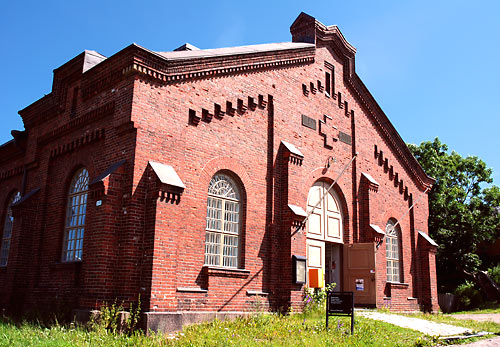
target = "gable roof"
x: 307, y: 33
x: 230, y: 51
x: 179, y: 66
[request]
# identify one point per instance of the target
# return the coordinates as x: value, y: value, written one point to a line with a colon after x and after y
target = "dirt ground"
x: 494, y: 342
x: 494, y: 317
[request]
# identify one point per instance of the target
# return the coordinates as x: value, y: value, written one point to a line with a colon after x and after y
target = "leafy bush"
x: 469, y: 296
x: 494, y: 274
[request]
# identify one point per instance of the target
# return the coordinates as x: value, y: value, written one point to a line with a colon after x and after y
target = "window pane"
x: 230, y: 254
x: 214, y: 213
x: 212, y: 248
x: 231, y: 217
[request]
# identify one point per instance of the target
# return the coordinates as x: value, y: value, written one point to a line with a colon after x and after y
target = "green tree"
x: 463, y: 212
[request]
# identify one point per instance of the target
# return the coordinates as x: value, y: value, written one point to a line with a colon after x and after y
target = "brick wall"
x: 138, y: 243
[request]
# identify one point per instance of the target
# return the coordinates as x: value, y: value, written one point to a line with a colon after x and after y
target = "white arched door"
x: 324, y: 232
x: 325, y: 222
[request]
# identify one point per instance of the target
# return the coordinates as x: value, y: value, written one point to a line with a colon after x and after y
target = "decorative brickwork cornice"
x: 18, y: 170
x: 90, y: 137
x: 390, y: 133
x: 9, y: 151
x: 40, y: 111
x: 53, y: 104
x: 307, y: 29
x: 93, y: 86
x: 12, y: 172
x: 78, y: 122
x: 210, y: 73
x: 92, y: 81
x: 171, y: 71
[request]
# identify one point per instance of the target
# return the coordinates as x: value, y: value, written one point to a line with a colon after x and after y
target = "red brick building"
x: 183, y: 176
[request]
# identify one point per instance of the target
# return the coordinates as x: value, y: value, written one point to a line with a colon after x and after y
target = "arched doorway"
x: 325, y: 233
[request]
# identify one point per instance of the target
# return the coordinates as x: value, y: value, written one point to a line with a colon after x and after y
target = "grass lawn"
x: 269, y: 330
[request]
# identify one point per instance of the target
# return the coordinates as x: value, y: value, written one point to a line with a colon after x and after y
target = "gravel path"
x: 422, y: 325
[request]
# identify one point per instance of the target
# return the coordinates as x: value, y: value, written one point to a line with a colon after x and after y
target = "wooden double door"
x: 350, y: 266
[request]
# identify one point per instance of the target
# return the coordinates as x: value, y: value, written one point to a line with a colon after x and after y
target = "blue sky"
x: 433, y: 66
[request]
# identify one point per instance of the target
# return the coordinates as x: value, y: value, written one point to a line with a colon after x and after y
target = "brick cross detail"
x: 329, y: 132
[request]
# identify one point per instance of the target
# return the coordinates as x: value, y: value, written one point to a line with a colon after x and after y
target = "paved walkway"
x: 422, y: 325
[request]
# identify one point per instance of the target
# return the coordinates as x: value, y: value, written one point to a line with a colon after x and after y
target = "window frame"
x: 216, y: 214
x: 74, y: 233
x: 394, y: 259
x: 8, y: 222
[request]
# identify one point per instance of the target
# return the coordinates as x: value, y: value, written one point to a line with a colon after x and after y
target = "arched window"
x: 7, y: 230
x: 223, y: 222
x: 75, y: 217
x: 393, y: 251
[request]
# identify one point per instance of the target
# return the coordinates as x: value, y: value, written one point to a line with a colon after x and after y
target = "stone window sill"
x: 191, y: 290
x: 70, y: 265
x: 398, y: 285
x: 256, y: 293
x: 226, y: 271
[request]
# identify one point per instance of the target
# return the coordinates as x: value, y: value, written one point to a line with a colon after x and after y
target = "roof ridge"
x: 236, y: 50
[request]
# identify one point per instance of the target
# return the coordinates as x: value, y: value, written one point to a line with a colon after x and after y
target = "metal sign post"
x: 340, y: 304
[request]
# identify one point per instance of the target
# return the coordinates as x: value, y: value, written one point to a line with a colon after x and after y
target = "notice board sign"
x: 340, y: 304
x: 360, y: 284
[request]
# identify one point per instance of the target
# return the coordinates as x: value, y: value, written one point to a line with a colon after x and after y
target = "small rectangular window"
x: 330, y: 79
x: 327, y: 83
x: 333, y: 80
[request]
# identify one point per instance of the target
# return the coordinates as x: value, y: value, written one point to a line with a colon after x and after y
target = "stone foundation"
x: 175, y: 321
